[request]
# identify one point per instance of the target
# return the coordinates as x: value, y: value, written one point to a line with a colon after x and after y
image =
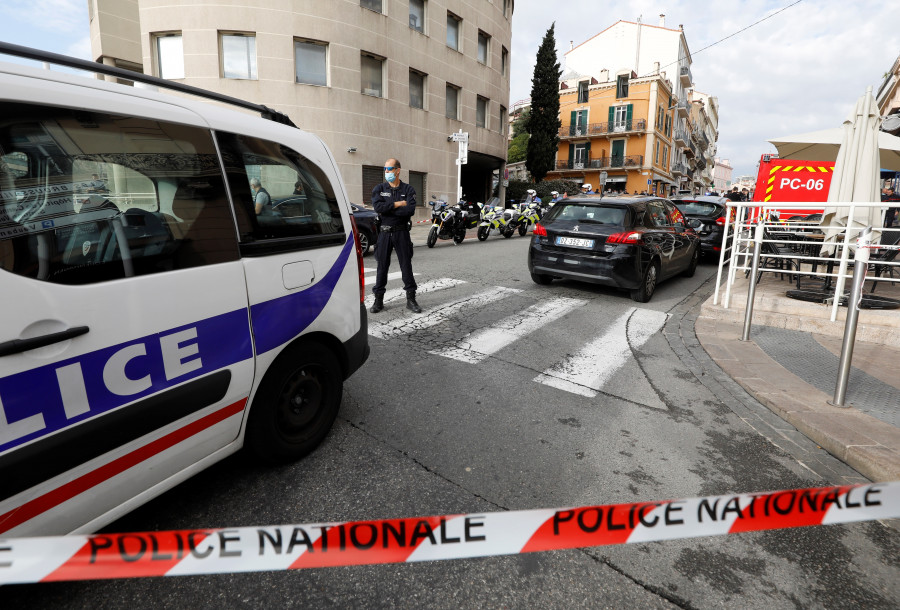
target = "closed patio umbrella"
x: 856, y: 173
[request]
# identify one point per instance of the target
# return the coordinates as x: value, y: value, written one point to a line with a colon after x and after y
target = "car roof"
x: 629, y: 200
x: 703, y: 198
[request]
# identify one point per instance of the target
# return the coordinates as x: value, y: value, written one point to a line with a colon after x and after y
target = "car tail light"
x: 720, y: 221
x: 628, y: 237
x: 539, y: 230
x: 359, y: 261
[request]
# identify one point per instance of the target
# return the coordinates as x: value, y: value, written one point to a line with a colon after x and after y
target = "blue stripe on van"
x: 278, y: 321
x: 220, y: 342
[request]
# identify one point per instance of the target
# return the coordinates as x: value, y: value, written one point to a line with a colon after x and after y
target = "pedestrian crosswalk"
x: 583, y: 371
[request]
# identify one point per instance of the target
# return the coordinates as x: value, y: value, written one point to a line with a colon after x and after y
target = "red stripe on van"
x: 66, y: 492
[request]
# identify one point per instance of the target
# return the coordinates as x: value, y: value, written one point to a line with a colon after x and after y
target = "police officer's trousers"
x: 389, y: 241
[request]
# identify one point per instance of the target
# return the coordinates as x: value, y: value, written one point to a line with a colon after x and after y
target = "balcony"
x: 629, y: 161
x: 681, y: 138
x: 685, y: 76
x: 602, y: 129
x: 690, y: 150
x: 683, y: 109
x: 679, y: 169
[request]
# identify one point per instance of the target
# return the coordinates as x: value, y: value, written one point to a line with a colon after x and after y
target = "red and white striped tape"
x: 288, y: 547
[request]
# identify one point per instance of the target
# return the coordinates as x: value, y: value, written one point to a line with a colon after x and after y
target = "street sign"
x: 460, y: 136
x: 603, y: 176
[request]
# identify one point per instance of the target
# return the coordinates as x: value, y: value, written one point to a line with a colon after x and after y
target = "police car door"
x: 125, y: 353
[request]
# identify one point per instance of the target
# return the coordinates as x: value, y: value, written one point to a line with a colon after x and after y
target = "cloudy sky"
x: 800, y: 70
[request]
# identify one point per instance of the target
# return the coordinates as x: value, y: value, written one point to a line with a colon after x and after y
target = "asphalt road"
x: 423, y: 433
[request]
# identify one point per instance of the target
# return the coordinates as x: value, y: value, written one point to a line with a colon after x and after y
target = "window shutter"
x: 628, y: 110
x: 587, y: 151
x: 612, y: 116
x: 583, y: 122
x: 571, y: 155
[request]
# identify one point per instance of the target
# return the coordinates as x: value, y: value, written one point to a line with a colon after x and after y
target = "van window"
x: 88, y: 197
x: 278, y: 193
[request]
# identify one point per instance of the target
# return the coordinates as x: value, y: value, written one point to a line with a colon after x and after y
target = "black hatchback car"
x: 706, y: 215
x: 626, y: 242
x: 368, y: 228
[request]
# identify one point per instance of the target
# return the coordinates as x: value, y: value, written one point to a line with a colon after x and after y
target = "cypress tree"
x: 543, y: 122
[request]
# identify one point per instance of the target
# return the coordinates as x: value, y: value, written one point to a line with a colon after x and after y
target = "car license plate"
x: 574, y: 241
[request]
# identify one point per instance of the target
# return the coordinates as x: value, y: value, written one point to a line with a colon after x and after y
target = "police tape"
x: 289, y: 547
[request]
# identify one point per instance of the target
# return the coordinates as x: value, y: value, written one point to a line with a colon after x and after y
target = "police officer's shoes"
x: 378, y: 305
x: 411, y: 303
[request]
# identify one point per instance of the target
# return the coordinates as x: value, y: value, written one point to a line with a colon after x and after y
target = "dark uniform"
x: 394, y: 234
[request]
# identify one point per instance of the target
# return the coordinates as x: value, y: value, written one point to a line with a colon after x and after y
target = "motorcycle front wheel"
x: 432, y: 237
x: 523, y: 229
x: 507, y: 233
x: 483, y: 233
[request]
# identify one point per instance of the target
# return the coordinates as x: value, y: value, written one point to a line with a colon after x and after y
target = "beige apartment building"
x: 373, y: 78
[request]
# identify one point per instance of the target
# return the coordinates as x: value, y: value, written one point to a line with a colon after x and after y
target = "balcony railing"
x: 683, y: 109
x: 679, y: 168
x: 681, y: 138
x: 601, y: 129
x: 602, y: 163
x: 685, y: 75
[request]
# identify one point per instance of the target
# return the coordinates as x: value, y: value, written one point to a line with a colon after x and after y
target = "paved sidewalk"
x: 790, y: 365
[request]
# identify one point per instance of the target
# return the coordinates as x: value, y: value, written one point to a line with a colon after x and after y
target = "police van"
x: 153, y: 320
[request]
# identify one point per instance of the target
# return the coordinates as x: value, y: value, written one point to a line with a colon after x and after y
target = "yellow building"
x: 621, y: 125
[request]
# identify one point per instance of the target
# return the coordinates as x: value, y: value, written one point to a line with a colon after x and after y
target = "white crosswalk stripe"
x: 431, y: 286
x: 486, y: 342
x: 396, y: 275
x: 432, y: 317
x: 586, y: 372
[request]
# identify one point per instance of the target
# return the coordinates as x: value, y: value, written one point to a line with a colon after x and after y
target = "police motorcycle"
x: 491, y: 217
x: 529, y: 215
x: 447, y: 221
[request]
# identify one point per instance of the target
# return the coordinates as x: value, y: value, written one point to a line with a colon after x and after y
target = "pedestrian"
x: 733, y: 195
x: 96, y: 185
x: 745, y: 195
x: 890, y: 217
x: 587, y: 189
x: 531, y: 197
x: 261, y: 199
x: 395, y: 202
x: 554, y: 196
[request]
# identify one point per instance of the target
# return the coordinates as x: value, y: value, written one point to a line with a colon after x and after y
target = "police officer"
x: 395, y: 201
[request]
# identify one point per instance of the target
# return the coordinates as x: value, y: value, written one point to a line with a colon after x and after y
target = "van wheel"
x: 296, y: 404
x: 648, y: 284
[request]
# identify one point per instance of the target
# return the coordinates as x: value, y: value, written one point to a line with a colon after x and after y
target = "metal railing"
x: 600, y: 129
x: 740, y: 243
x: 602, y: 163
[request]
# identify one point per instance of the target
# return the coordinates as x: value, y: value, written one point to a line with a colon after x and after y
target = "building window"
x: 504, y: 61
x: 372, y: 75
x: 372, y: 5
x: 310, y: 59
x: 239, y: 56
x: 481, y: 106
x: 583, y: 92
x: 483, y: 43
x: 505, y: 5
x: 416, y: 89
x: 417, y: 15
x: 622, y: 86
x: 418, y: 180
x: 665, y: 155
x: 452, y: 102
x: 169, y: 56
x: 501, y: 121
x: 657, y: 153
x: 454, y: 24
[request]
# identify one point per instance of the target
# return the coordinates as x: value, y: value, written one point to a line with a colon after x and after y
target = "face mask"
x: 390, y: 176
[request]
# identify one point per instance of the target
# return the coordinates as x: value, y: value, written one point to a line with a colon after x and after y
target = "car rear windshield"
x: 588, y: 212
x: 696, y: 208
